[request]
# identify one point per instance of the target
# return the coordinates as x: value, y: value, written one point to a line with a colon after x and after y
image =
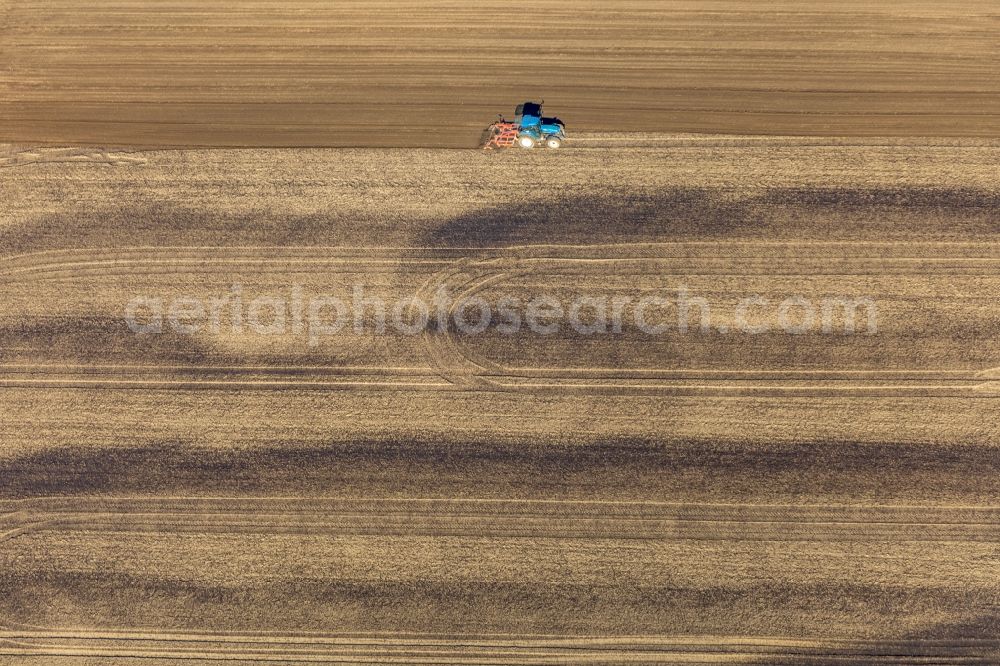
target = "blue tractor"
x: 528, y: 130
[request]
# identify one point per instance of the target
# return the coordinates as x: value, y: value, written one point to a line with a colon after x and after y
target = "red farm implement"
x: 500, y: 134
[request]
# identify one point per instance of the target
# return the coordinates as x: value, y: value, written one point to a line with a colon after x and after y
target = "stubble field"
x: 447, y: 497
x: 271, y: 488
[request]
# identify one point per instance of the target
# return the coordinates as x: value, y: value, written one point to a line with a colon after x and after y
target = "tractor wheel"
x: 526, y: 141
x: 553, y: 142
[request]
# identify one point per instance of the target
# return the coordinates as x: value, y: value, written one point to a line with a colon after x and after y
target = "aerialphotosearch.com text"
x: 358, y: 311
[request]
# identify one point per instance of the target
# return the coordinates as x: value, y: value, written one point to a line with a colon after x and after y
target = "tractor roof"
x: 529, y: 109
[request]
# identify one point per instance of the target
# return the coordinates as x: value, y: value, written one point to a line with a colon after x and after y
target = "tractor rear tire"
x: 526, y: 141
x: 553, y: 142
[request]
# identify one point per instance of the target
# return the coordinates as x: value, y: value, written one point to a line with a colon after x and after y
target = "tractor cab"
x: 528, y: 115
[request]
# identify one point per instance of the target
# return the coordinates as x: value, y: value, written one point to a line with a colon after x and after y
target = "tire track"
x: 64, y: 265
x: 602, y: 252
x: 438, y: 345
x: 19, y: 156
x: 509, y: 518
x: 488, y: 649
x: 645, y: 259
